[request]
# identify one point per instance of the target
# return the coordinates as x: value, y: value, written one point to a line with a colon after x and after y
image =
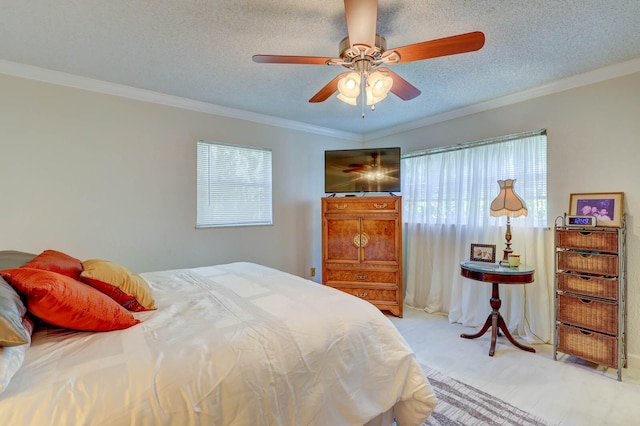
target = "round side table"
x: 496, y: 275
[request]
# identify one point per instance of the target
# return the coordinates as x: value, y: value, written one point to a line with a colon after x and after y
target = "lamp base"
x: 505, y: 257
x: 507, y: 250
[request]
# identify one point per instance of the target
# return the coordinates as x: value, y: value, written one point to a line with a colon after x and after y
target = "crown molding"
x: 601, y: 74
x: 70, y: 80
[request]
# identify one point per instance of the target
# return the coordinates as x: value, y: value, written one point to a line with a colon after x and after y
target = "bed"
x: 234, y: 344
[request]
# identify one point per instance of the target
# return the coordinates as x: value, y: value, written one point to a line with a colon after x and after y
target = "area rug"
x: 464, y: 405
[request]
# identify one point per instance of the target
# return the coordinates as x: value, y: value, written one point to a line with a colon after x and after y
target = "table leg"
x: 496, y: 322
x: 505, y: 330
x: 483, y: 330
x: 495, y: 316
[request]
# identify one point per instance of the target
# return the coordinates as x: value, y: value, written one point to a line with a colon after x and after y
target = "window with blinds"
x: 234, y: 185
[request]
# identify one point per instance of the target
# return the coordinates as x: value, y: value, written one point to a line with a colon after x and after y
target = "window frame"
x: 247, y: 187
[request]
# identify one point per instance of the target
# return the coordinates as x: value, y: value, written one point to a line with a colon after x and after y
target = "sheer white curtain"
x: 446, y: 197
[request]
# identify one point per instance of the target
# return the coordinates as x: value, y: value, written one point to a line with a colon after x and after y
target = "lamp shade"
x: 349, y: 88
x: 347, y: 100
x: 378, y: 86
x: 507, y: 203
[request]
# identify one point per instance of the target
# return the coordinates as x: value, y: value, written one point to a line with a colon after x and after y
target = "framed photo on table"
x: 606, y: 207
x: 483, y: 252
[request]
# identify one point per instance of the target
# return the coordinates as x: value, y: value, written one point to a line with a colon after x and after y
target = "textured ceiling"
x: 202, y: 49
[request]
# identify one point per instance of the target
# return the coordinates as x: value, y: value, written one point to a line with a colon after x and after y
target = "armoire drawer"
x: 588, y: 285
x: 589, y: 345
x: 588, y: 240
x: 367, y: 205
x: 361, y: 276
x: 372, y: 294
x: 589, y: 263
x: 597, y: 315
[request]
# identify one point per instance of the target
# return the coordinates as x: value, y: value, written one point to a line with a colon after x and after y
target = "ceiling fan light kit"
x: 349, y: 88
x: 363, y: 51
x: 347, y: 100
x: 378, y: 86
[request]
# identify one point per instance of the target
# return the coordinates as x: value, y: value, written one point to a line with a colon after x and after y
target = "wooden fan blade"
x: 285, y: 59
x: 441, y: 47
x: 361, y: 22
x: 327, y: 90
x: 401, y: 87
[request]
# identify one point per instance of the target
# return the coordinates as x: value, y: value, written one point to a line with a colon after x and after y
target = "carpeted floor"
x: 464, y: 405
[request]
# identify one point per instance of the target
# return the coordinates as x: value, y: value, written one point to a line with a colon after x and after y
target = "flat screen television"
x: 362, y: 170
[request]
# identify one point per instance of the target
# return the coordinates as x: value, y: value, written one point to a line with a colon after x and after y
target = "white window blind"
x: 234, y: 185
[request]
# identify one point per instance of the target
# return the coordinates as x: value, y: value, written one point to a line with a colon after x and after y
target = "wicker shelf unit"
x: 590, y: 288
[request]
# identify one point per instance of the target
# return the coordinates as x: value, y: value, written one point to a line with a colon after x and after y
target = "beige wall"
x: 102, y: 176
x: 593, y: 146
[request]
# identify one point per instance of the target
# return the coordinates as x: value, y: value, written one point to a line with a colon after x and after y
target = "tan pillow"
x: 125, y: 287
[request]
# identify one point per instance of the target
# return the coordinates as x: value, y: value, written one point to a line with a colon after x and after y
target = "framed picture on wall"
x: 483, y: 252
x: 606, y: 207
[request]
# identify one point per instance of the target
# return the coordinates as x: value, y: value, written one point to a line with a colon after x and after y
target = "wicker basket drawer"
x: 598, y: 315
x: 588, y: 345
x: 361, y: 276
x: 594, y: 286
x: 589, y: 263
x: 372, y: 294
x: 588, y: 240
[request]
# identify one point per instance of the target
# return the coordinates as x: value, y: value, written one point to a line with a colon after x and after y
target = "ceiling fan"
x: 364, y: 53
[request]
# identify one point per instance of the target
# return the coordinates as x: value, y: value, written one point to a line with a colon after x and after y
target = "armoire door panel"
x: 382, y: 240
x: 342, y: 239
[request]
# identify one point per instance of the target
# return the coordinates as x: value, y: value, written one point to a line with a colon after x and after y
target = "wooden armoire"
x: 362, y: 248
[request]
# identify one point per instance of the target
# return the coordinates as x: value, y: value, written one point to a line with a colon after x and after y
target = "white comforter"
x: 237, y: 344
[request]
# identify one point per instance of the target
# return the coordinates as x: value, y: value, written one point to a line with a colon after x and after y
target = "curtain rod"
x: 475, y: 144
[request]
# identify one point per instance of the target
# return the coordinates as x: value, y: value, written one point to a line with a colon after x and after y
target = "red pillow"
x: 65, y: 302
x: 55, y: 261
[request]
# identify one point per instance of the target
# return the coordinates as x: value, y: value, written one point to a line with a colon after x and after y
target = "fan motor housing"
x: 346, y: 53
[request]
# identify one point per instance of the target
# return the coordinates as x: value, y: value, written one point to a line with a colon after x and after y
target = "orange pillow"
x: 55, y: 261
x: 65, y: 302
x: 125, y: 287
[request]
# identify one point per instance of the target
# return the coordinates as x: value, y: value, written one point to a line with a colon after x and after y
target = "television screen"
x: 362, y: 170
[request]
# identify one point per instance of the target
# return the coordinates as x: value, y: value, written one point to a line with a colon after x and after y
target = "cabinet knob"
x: 340, y: 206
x: 361, y: 293
x: 379, y: 205
x: 361, y: 277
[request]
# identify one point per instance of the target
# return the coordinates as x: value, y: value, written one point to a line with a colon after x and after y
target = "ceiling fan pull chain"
x: 363, y: 89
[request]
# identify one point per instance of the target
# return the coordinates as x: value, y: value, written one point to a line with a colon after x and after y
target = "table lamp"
x: 508, y: 204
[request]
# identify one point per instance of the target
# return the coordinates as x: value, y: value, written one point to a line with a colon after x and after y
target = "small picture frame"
x: 483, y: 253
x: 605, y: 206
